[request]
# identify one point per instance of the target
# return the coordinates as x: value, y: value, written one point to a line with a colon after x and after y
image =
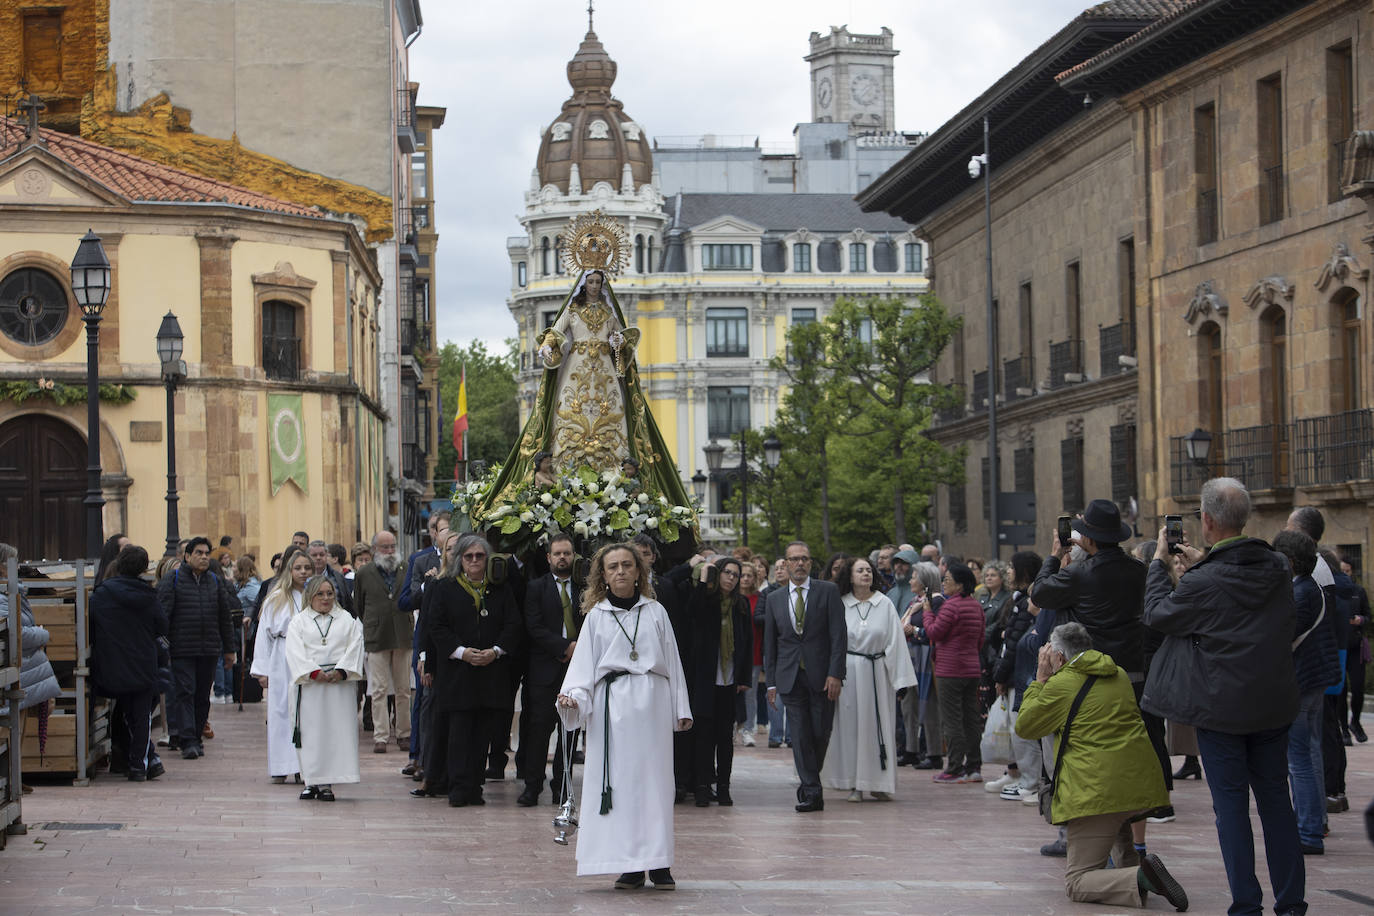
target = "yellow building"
x: 261, y: 288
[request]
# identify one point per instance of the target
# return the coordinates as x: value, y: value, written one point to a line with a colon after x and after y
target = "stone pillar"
x: 110, y: 356
x: 222, y: 443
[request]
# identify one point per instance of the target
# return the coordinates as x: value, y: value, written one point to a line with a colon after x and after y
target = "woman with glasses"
x: 718, y: 669
x: 956, y: 633
x: 473, y: 626
x: 324, y: 652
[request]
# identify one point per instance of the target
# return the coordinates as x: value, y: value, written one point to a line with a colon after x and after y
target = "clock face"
x: 824, y: 92
x: 865, y: 89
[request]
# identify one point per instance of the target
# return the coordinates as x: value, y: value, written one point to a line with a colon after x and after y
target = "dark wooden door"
x: 42, y: 486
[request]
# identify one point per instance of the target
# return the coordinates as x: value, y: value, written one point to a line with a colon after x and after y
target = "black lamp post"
x: 699, y: 487
x: 982, y: 165
x: 169, y: 339
x: 91, y: 286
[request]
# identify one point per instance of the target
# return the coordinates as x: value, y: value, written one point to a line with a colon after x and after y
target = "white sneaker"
x: 1030, y: 796
x: 1011, y: 792
x: 748, y: 739
x: 995, y: 785
x: 855, y: 796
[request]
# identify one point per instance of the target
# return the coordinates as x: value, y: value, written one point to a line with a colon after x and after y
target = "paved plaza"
x: 215, y: 836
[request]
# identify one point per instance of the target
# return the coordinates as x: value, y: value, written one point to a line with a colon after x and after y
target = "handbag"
x: 1047, y: 791
x: 996, y: 743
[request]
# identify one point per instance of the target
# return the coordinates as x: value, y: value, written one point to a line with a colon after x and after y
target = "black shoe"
x: 814, y: 804
x: 310, y: 793
x: 325, y: 795
x: 528, y: 798
x: 1346, y: 739
x: 931, y: 763
x: 723, y: 798
x: 173, y: 744
x: 477, y: 800
x: 1358, y: 731
x: 630, y: 881
x: 663, y: 879
x: 703, y: 797
x: 155, y: 770
x: 119, y: 767
x: 495, y: 775
x: 189, y: 753
x: 775, y: 744
x: 422, y: 792
x: 1163, y: 883
x: 679, y: 795
x: 1191, y: 769
x: 137, y: 776
x: 457, y: 801
x: 1056, y: 850
x: 1312, y: 850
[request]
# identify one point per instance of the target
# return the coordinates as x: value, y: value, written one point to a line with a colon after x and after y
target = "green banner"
x: 286, y: 441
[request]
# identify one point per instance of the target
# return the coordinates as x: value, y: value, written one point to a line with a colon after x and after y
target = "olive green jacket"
x: 1109, y: 765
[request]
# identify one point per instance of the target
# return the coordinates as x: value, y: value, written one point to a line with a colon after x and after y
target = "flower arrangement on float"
x: 589, y: 506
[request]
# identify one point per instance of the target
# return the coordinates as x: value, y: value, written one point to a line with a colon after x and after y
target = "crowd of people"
x: 1244, y: 656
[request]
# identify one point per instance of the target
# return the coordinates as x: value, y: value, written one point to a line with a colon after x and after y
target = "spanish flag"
x: 460, y: 419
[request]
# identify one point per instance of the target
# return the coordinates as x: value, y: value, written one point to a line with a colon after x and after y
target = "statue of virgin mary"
x: 590, y: 410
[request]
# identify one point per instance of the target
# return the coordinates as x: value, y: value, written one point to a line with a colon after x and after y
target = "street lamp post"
x: 772, y: 457
x: 90, y: 271
x: 976, y: 166
x: 699, y: 487
x: 169, y: 340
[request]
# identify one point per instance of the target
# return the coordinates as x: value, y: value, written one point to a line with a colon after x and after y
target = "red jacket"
x: 757, y: 617
x: 956, y: 632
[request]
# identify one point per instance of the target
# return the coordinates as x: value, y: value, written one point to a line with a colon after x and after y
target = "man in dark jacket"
x: 1226, y: 667
x: 553, y: 616
x: 126, y: 624
x: 197, y: 605
x: 387, y: 632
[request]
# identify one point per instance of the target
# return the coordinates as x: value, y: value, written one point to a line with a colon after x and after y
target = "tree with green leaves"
x: 493, y: 410
x: 801, y: 482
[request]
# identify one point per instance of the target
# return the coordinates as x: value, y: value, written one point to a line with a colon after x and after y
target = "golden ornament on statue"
x: 596, y: 241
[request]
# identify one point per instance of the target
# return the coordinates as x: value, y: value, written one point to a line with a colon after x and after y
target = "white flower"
x: 643, y: 498
x: 500, y: 512
x: 615, y: 495
x: 593, y: 488
x: 547, y: 499
x: 580, y: 528
x: 663, y: 500
x: 609, y: 476
x: 651, y: 523
x: 527, y: 516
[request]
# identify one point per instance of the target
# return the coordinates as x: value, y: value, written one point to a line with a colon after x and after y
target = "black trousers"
x: 193, y: 675
x: 1154, y: 727
x: 436, y: 750
x: 129, y: 733
x: 469, y: 735
x: 1333, y: 746
x: 714, y: 743
x: 1351, y: 700
x: 810, y: 715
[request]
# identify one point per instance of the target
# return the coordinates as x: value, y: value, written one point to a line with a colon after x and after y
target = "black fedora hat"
x: 1101, y: 521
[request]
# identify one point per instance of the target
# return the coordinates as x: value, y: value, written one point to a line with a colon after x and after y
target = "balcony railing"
x: 1066, y: 363
x: 1188, y: 476
x: 1207, y: 222
x: 1257, y: 456
x: 405, y: 234
x: 419, y: 216
x: 1271, y: 194
x: 1337, y: 167
x: 405, y: 121
x: 1018, y: 378
x: 281, y: 357
x: 980, y: 391
x: 1114, y: 342
x: 1334, y: 449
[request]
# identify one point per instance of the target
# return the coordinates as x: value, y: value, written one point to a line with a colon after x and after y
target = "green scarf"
x: 727, y: 634
x: 478, y: 590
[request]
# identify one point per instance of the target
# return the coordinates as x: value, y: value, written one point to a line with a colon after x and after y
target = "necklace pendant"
x: 634, y: 656
x: 323, y: 641
x: 483, y: 613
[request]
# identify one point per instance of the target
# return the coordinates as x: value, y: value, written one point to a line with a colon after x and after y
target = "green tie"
x: 799, y: 610
x: 568, y: 627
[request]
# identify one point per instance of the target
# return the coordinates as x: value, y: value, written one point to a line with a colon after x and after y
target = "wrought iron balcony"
x: 406, y: 138
x: 1186, y: 475
x: 281, y: 357
x: 1066, y: 363
x: 1018, y: 378
x: 1334, y: 449
x: 1116, y: 344
x: 1257, y: 456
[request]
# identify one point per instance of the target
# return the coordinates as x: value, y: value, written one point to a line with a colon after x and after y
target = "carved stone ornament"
x: 1126, y: 412
x: 1205, y: 303
x: 1269, y: 291
x: 1025, y: 436
x: 1074, y: 428
x: 561, y: 130
x: 598, y: 130
x: 1342, y: 268
x: 631, y: 130
x: 284, y: 275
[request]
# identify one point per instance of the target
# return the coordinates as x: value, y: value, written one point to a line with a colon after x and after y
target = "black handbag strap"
x: 1064, y: 739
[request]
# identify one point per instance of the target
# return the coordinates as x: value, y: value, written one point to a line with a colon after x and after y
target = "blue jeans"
x: 224, y: 679
x: 779, y: 729
x: 1305, y: 768
x: 1236, y: 765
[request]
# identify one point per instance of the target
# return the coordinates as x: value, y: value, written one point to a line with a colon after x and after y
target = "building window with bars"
x: 1071, y: 463
x: 1023, y: 466
x: 281, y: 341
x: 727, y: 332
x: 958, y: 509
x: 1123, y: 463
x: 727, y: 410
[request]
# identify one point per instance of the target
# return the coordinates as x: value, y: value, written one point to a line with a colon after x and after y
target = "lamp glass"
x: 772, y: 451
x: 714, y: 453
x: 169, y: 339
x: 1198, y: 444
x: 699, y: 486
x: 90, y: 270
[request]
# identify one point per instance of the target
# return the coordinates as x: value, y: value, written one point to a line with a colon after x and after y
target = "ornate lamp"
x: 1198, y: 444
x: 90, y: 271
x: 169, y: 341
x: 772, y: 451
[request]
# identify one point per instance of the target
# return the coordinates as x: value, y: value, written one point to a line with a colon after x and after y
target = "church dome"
x: 593, y: 132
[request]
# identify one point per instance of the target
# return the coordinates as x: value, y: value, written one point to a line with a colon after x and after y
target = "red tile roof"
x: 140, y: 179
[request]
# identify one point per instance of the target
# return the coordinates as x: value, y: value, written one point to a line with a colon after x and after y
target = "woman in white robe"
x: 626, y: 647
x: 285, y: 599
x: 863, y: 754
x: 324, y: 652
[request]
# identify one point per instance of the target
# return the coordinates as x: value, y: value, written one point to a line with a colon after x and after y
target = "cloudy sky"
x: 730, y: 67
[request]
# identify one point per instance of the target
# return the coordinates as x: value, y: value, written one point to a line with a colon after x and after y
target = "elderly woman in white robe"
x: 626, y: 687
x: 285, y: 599
x: 863, y: 743
x: 324, y: 651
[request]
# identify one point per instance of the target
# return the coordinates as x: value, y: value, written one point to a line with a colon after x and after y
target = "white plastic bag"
x: 996, y: 744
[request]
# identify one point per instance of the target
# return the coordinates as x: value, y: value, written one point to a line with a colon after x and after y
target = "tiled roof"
x: 140, y: 179
x: 1132, y: 9
x: 1174, y: 10
x: 786, y: 212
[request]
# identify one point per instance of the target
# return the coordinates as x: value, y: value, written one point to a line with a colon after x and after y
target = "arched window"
x: 558, y: 254
x: 1274, y: 366
x: 1345, y: 326
x: 650, y: 264
x: 281, y: 340
x: 1211, y: 406
x: 639, y: 254
x: 544, y: 258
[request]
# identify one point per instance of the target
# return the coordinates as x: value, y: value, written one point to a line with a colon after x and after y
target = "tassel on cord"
x: 606, y: 800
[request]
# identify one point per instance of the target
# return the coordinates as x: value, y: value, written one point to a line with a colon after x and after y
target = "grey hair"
x: 453, y: 567
x: 373, y: 542
x: 1227, y: 501
x: 929, y: 575
x: 1070, y: 640
x: 317, y: 543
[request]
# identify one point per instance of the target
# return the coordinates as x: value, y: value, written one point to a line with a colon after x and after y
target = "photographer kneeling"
x: 1106, y: 773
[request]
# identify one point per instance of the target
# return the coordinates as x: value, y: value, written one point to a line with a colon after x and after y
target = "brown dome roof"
x: 593, y: 129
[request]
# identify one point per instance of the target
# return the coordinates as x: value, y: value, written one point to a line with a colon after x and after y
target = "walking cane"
x: 243, y: 661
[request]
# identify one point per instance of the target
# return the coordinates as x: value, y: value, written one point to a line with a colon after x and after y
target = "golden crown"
x: 596, y: 241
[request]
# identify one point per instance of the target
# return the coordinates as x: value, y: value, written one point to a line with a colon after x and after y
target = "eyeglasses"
x: 474, y: 556
x: 799, y: 559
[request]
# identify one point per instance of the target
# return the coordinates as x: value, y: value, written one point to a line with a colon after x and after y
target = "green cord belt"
x: 609, y: 678
x: 877, y: 713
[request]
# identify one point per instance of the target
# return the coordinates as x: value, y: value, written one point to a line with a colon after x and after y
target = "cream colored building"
x: 273, y: 298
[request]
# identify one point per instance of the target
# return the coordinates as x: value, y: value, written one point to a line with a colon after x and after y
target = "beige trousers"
x: 388, y: 672
x: 1086, y: 875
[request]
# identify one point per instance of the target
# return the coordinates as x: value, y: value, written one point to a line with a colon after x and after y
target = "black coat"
x: 1017, y: 624
x: 1226, y: 663
x: 1106, y: 594
x: 454, y: 621
x: 197, y: 609
x: 126, y: 621
x: 1316, y: 662
x: 544, y: 627
x: 703, y: 635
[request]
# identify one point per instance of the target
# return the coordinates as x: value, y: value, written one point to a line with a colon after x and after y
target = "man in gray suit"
x: 804, y: 645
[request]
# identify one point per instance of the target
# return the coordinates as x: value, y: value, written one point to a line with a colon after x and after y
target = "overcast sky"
x: 730, y: 67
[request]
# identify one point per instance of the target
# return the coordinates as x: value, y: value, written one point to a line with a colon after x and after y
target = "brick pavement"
x: 215, y: 836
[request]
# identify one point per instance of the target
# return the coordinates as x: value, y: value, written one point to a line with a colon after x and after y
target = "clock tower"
x: 851, y: 79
